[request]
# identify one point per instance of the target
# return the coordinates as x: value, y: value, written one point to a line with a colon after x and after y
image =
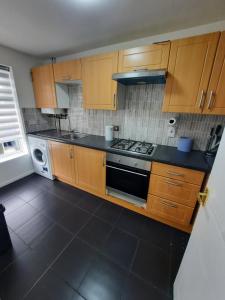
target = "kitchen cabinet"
x: 169, y: 210
x: 99, y: 90
x: 66, y: 71
x: 189, y: 69
x: 215, y: 104
x: 44, y: 87
x: 174, y: 190
x: 150, y: 57
x: 62, y: 156
x: 172, y: 194
x: 90, y: 170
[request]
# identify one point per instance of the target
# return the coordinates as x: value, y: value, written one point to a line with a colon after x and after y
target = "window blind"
x: 10, y: 123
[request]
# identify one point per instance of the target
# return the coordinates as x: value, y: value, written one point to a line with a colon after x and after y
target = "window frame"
x: 22, y: 141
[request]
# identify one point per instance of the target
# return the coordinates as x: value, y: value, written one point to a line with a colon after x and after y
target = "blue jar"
x: 184, y: 144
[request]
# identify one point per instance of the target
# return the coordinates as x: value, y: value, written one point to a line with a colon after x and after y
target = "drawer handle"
x: 173, y: 183
x: 174, y: 174
x: 202, y: 99
x: 169, y: 204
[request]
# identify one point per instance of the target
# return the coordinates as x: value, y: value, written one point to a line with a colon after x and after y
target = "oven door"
x: 128, y: 180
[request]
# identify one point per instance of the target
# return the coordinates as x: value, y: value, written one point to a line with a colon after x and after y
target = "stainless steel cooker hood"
x: 141, y: 77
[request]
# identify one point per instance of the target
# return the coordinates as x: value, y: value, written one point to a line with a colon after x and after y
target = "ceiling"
x: 58, y: 27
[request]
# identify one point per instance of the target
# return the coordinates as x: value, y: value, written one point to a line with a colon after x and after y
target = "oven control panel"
x: 129, y: 161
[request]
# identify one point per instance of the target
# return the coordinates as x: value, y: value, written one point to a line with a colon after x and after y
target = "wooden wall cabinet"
x: 90, y: 170
x: 150, y: 57
x: 190, y: 65
x: 62, y: 156
x: 67, y: 70
x: 99, y: 90
x: 44, y: 86
x: 215, y: 104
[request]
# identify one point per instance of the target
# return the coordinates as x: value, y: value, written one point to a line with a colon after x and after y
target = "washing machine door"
x: 39, y: 156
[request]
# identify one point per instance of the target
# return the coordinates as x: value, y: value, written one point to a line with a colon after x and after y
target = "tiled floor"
x: 68, y: 244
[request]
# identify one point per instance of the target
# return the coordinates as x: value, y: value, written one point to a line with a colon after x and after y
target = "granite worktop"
x: 166, y: 154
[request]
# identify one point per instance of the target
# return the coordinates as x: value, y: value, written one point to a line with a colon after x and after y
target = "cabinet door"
x: 67, y: 70
x: 90, y: 170
x: 147, y: 57
x: 99, y: 90
x: 189, y: 70
x: 44, y: 87
x: 216, y: 91
x: 62, y: 156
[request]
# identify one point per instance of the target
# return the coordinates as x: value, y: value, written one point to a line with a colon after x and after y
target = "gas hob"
x: 134, y: 146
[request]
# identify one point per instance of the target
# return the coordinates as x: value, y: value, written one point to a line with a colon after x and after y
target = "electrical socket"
x: 116, y: 128
x: 171, y: 131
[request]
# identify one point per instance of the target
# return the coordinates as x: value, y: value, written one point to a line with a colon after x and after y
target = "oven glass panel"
x: 130, y: 183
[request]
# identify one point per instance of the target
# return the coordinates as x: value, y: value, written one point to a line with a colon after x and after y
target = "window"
x: 12, y: 137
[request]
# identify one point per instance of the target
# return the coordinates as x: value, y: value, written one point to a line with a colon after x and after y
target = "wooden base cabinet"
x: 62, y: 156
x: 171, y: 200
x: 90, y: 170
x: 169, y: 210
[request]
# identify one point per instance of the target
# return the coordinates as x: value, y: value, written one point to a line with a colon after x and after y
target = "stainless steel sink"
x: 74, y: 135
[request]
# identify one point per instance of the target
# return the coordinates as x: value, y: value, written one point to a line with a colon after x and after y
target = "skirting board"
x: 16, y: 178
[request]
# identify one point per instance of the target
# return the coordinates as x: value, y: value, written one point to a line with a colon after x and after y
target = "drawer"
x: 169, y: 210
x: 174, y: 190
x: 182, y: 174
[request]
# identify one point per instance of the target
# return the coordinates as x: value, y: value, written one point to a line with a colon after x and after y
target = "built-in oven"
x: 127, y: 178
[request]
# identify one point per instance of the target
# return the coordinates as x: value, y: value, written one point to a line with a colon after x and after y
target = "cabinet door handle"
x: 202, y: 99
x: 104, y: 161
x: 169, y: 204
x: 173, y: 183
x: 174, y: 174
x: 141, y: 69
x: 114, y: 100
x: 71, y: 153
x: 66, y: 77
x: 211, y: 97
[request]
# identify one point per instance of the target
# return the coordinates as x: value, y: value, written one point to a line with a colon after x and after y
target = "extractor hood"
x: 141, y: 77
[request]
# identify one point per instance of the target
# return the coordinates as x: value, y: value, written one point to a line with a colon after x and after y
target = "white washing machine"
x: 40, y: 156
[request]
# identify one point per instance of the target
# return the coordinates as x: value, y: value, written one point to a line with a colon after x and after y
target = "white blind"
x: 10, y: 127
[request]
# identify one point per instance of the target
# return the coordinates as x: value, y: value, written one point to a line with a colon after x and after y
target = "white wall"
x: 21, y: 64
x: 212, y: 27
x: 15, y: 169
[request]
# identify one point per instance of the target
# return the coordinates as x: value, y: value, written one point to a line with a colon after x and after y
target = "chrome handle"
x: 173, y: 183
x: 104, y: 161
x: 202, y: 99
x: 144, y: 175
x: 174, y: 174
x: 169, y: 204
x: 211, y: 97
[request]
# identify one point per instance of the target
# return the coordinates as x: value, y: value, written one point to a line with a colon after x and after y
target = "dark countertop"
x: 165, y: 154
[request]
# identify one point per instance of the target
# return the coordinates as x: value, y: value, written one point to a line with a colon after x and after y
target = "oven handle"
x: 126, y: 171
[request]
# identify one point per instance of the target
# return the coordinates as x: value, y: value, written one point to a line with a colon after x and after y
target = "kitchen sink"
x: 74, y: 135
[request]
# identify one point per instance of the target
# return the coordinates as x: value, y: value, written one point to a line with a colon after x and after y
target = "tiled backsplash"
x: 34, y: 120
x: 140, y: 119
